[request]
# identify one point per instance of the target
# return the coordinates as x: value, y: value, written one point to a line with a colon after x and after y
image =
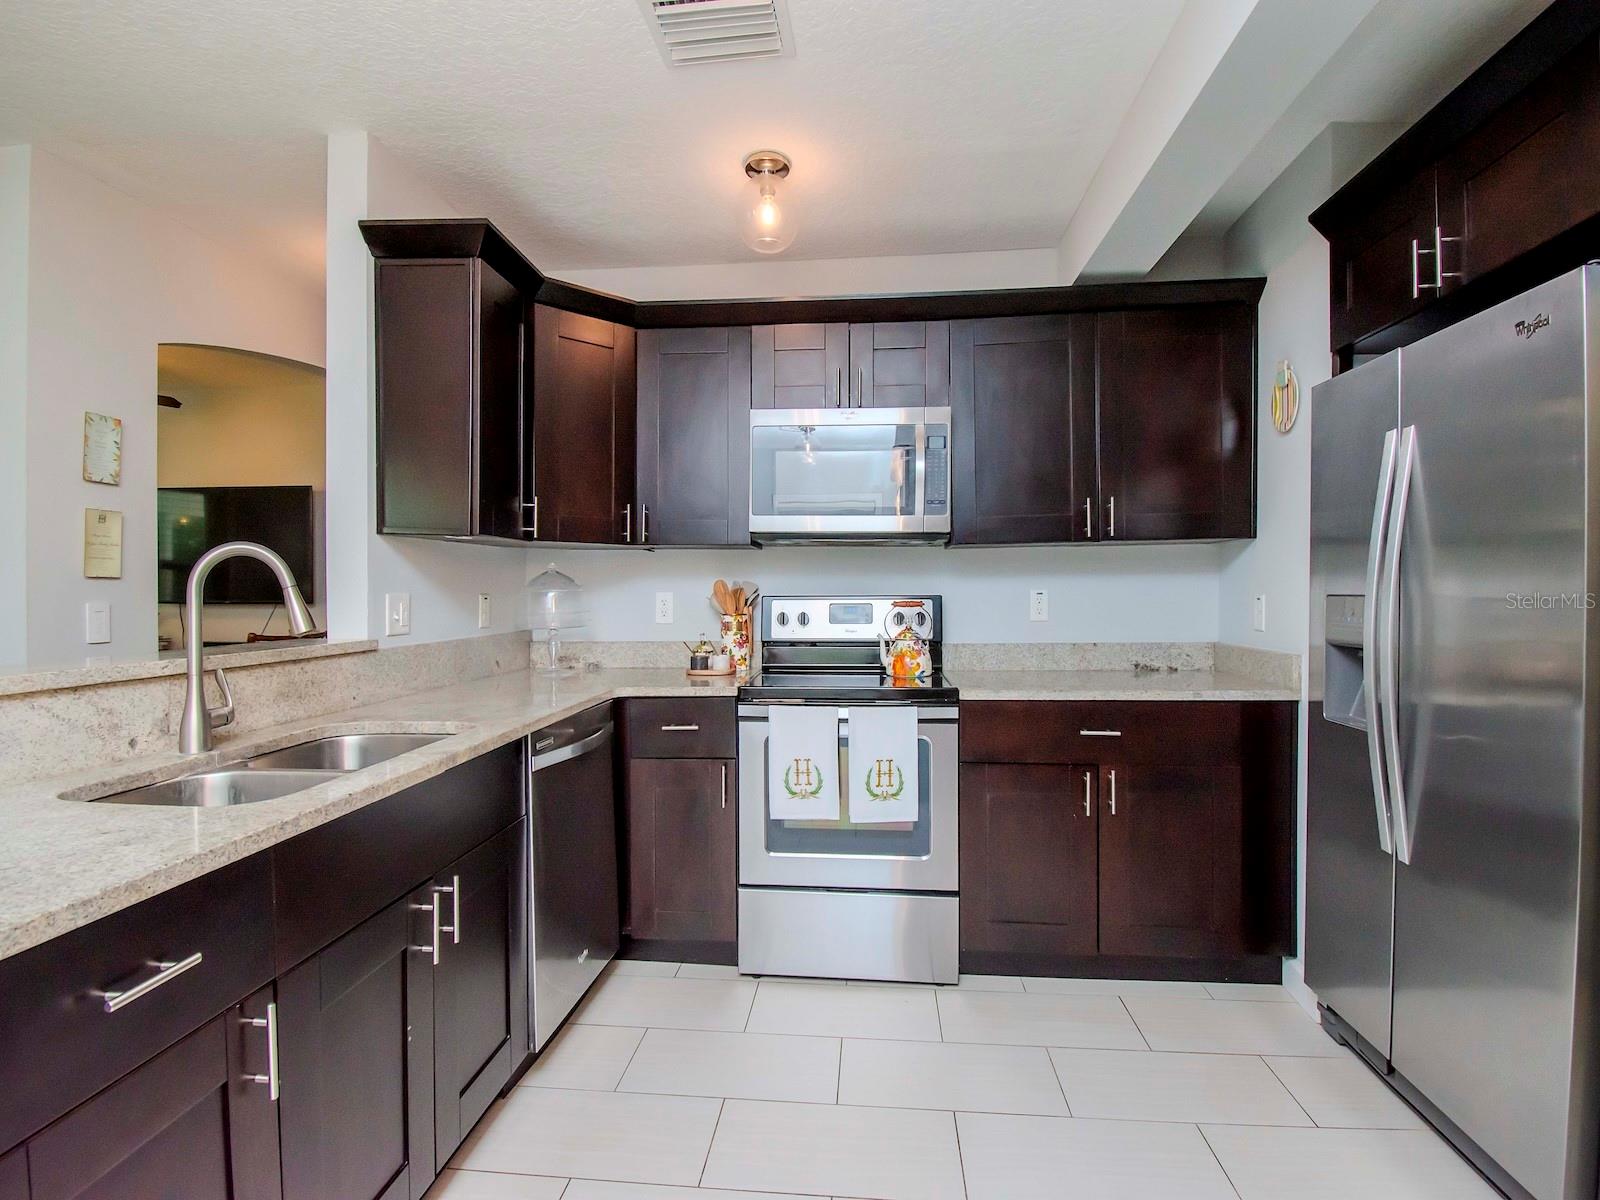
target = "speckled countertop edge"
x: 65, y: 863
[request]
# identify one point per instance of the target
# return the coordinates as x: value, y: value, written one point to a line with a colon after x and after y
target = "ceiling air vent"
x: 709, y: 31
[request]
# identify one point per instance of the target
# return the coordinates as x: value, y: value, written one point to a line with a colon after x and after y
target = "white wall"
x: 825, y: 277
x: 109, y: 278
x: 1096, y: 593
x: 442, y: 579
x: 14, y: 170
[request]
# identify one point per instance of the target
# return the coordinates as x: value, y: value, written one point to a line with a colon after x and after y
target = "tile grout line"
x: 1200, y: 1129
x: 1314, y: 1123
x: 643, y: 1033
x: 1135, y: 1021
x: 716, y: 1125
x: 961, y: 1159
x: 1060, y: 1083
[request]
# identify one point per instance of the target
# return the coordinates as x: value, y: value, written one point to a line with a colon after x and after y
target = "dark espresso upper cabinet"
x: 583, y: 429
x: 694, y: 436
x: 866, y: 364
x: 1022, y: 392
x: 800, y: 366
x: 1493, y: 190
x: 1177, y: 427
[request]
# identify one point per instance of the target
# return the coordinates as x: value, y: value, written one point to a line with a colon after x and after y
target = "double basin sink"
x: 276, y: 773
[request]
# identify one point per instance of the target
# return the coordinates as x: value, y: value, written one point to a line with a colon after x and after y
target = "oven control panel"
x: 847, y: 618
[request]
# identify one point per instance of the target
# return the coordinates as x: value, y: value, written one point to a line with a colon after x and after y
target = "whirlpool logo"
x: 1526, y: 329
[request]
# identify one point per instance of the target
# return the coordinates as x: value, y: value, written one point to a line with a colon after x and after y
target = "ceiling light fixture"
x: 768, y: 229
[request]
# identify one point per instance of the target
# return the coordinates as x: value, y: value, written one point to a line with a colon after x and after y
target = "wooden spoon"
x: 720, y: 597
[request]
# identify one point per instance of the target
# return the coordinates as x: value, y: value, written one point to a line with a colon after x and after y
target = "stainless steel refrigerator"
x: 1452, y: 846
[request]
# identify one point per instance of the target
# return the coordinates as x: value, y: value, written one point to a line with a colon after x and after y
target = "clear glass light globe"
x: 767, y: 228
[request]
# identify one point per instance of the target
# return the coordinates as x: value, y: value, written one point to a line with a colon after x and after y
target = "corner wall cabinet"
x: 358, y: 998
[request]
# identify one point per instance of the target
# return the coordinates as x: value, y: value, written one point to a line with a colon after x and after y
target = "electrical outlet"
x: 663, y: 608
x: 396, y: 613
x: 1258, y: 614
x: 97, y: 622
x: 1038, y: 605
x: 483, y: 610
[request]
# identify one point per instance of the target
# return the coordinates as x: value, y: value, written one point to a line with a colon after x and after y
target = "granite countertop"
x: 65, y: 863
x: 1115, y: 685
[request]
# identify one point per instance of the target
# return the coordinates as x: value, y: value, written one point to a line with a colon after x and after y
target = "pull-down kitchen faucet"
x: 199, y: 719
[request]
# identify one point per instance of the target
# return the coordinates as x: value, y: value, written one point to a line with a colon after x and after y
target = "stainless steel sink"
x: 346, y: 752
x: 222, y: 787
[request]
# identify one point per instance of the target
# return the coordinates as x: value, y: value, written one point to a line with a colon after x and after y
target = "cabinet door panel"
x: 473, y: 1026
x: 694, y: 436
x: 899, y: 364
x: 799, y: 366
x: 14, y: 1174
x: 1177, y: 423
x: 253, y: 1142
x: 1028, y: 859
x: 1376, y: 277
x: 356, y: 1048
x: 1170, y: 859
x: 682, y: 850
x: 1022, y: 399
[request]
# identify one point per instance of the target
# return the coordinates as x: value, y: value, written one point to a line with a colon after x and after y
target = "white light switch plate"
x: 484, y: 610
x: 97, y: 622
x: 1258, y: 614
x: 396, y: 613
x: 1038, y: 605
x: 663, y: 608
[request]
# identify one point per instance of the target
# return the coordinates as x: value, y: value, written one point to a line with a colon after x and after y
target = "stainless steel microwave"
x: 850, y: 474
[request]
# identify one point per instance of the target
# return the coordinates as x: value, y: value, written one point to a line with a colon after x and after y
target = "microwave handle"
x: 919, y: 499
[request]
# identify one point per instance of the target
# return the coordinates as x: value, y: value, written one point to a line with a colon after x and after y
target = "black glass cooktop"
x: 846, y: 686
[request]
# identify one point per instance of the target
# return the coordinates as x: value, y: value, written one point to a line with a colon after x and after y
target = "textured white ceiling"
x: 915, y: 126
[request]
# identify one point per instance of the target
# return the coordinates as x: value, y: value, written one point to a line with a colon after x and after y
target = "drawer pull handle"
x: 166, y: 972
x: 270, y: 1024
x: 680, y: 729
x: 432, y: 948
x: 1099, y: 733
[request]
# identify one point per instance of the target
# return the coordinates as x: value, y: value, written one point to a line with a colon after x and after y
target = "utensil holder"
x: 736, y: 640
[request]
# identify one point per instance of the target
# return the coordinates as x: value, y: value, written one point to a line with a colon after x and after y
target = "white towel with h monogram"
x: 802, y: 763
x: 883, y: 764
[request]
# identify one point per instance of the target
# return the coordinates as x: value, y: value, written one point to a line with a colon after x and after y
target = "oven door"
x: 849, y: 472
x: 918, y: 856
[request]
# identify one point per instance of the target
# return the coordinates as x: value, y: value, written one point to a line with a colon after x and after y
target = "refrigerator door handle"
x: 1389, y: 627
x: 1369, y: 641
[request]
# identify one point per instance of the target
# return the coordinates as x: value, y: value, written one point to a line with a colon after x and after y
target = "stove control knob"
x: 920, y: 618
x: 783, y: 618
x: 803, y: 619
x: 899, y: 618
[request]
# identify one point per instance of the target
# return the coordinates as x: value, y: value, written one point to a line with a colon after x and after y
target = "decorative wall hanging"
x: 102, y: 448
x: 1285, y: 397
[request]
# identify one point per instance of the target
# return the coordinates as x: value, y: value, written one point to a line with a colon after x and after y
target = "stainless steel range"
x: 848, y: 865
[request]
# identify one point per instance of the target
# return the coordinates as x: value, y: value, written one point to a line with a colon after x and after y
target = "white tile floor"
x: 695, y: 1084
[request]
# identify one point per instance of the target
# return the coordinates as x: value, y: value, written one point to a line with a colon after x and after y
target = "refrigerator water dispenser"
x: 1344, y: 701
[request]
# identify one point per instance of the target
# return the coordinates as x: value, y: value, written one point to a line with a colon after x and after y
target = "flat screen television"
x: 190, y: 521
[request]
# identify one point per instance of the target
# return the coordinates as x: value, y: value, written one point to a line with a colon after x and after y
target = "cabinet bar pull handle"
x: 1087, y: 808
x: 1099, y: 733
x: 432, y: 950
x: 1111, y: 523
x: 724, y: 785
x: 1439, y: 273
x: 270, y: 1024
x: 627, y: 522
x: 644, y: 524
x: 534, y: 528
x: 1113, y: 793
x: 1088, y: 518
x: 454, y: 891
x: 166, y: 972
x: 838, y: 390
x: 679, y: 728
x: 861, y: 386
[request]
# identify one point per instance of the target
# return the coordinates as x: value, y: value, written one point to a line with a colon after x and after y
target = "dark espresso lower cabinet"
x: 356, y: 1052
x: 682, y: 850
x: 479, y: 989
x: 186, y: 1125
x: 1028, y: 848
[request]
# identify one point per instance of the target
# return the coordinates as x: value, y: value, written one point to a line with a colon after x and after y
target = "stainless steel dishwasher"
x: 574, y: 926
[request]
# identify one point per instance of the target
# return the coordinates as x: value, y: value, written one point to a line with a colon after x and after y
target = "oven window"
x: 833, y: 470
x: 841, y: 837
